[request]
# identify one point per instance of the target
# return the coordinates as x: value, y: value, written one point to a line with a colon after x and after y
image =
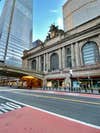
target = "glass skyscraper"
x: 15, y: 31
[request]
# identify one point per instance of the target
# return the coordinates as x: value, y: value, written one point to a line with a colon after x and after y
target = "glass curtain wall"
x: 20, y: 37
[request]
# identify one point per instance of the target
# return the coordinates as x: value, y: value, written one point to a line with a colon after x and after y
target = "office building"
x: 77, y: 12
x: 15, y: 31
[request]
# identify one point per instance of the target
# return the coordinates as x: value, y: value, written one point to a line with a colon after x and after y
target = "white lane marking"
x: 61, y: 116
x: 8, y: 106
x: 56, y: 98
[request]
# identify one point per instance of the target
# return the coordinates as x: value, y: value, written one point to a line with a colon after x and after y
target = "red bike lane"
x: 31, y: 120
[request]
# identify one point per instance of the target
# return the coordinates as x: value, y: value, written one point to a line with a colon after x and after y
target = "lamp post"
x: 71, y: 73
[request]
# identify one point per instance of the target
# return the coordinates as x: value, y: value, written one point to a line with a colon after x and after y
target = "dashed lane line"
x: 58, y: 98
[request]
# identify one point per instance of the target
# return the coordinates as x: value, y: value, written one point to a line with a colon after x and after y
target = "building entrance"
x: 55, y: 83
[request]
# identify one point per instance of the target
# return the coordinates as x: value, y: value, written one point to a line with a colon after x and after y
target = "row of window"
x: 90, y: 55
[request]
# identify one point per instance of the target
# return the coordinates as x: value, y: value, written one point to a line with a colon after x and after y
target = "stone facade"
x: 71, y: 70
x: 76, y: 14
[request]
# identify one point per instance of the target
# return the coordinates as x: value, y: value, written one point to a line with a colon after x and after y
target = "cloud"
x: 53, y: 11
x: 59, y: 22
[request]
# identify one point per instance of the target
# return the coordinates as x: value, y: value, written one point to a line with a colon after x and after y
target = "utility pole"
x: 9, y: 29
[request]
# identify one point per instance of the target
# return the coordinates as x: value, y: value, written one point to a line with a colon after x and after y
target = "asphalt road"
x: 79, y: 108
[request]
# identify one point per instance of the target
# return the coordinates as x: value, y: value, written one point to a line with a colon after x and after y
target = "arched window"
x: 42, y: 63
x: 54, y: 61
x: 68, y: 59
x: 90, y: 53
x: 34, y: 64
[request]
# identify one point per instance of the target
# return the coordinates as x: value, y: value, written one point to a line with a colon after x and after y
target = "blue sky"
x: 1, y: 5
x: 45, y: 13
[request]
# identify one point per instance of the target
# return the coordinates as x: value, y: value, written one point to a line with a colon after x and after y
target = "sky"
x: 45, y: 13
x: 1, y: 5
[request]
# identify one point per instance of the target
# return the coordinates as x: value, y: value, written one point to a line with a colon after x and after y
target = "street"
x: 81, y: 109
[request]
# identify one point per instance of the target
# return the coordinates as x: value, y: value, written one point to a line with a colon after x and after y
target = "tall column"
x: 44, y: 62
x: 77, y: 55
x: 80, y: 53
x: 36, y: 63
x: 44, y: 82
x: 48, y: 61
x: 60, y: 58
x: 29, y: 64
x: 73, y: 55
x: 63, y: 57
x: 99, y: 43
x: 39, y: 61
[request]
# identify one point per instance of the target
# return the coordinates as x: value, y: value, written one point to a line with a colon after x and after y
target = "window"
x: 34, y: 64
x: 68, y: 61
x: 90, y: 53
x: 42, y: 63
x: 54, y: 61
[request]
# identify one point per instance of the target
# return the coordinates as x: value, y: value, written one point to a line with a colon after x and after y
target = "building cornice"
x: 67, y: 37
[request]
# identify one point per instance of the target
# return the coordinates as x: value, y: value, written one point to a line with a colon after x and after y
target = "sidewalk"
x: 68, y: 93
x: 90, y: 95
